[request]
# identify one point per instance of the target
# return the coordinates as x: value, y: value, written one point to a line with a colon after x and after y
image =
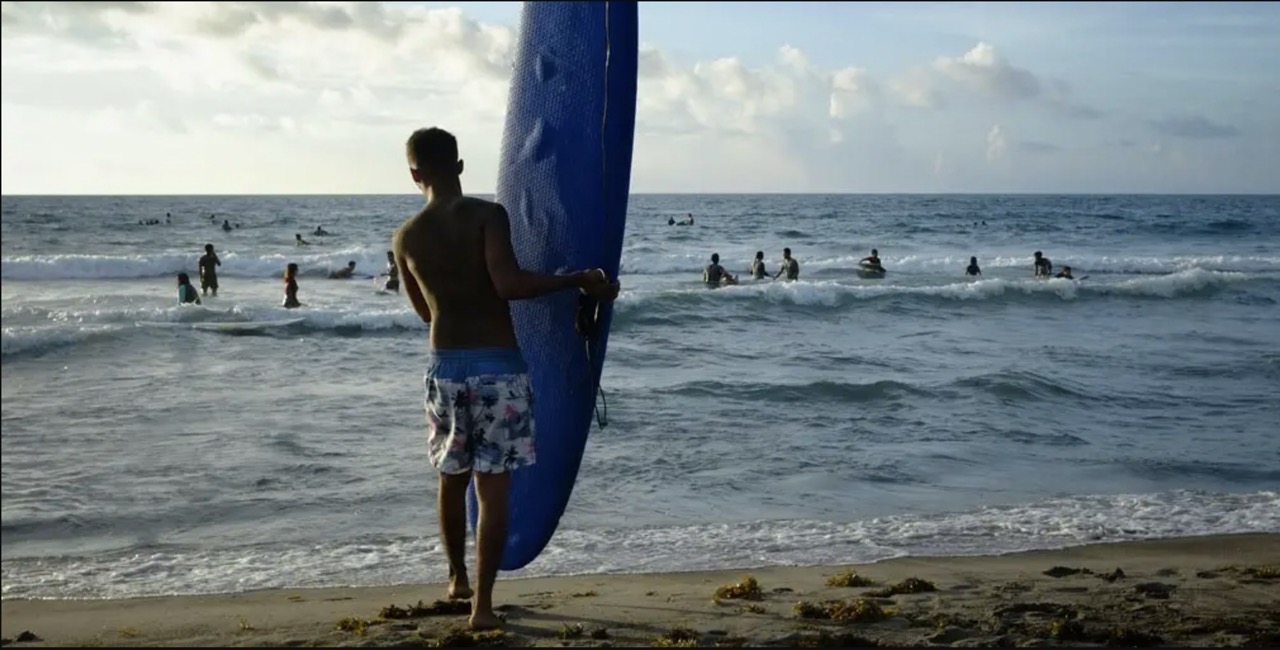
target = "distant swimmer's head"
x: 1038, y: 255
x: 759, y: 255
x: 297, y: 236
x: 432, y: 154
x: 208, y: 248
x: 183, y: 278
x: 875, y: 253
x: 391, y: 256
x: 715, y: 258
x: 351, y: 264
x: 973, y: 260
x: 1067, y: 270
x: 786, y: 252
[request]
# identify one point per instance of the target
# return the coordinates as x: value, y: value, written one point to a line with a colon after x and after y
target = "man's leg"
x: 452, y: 505
x: 491, y: 540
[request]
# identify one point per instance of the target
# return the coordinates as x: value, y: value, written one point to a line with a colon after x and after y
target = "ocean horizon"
x: 832, y: 420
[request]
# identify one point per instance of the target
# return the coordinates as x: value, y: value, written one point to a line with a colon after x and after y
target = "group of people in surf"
x: 209, y: 263
x: 715, y: 275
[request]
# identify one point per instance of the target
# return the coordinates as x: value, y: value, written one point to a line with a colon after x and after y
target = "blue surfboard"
x: 564, y: 176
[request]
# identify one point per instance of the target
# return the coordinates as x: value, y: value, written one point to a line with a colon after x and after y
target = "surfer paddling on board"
x: 459, y: 271
x: 872, y: 261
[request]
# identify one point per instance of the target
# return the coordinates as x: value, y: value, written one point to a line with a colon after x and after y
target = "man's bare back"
x: 441, y: 252
x: 462, y: 271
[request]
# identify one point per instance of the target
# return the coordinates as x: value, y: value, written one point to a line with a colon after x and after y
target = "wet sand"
x: 1199, y: 591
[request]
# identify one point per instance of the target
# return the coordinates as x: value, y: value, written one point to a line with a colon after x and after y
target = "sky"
x: 858, y: 97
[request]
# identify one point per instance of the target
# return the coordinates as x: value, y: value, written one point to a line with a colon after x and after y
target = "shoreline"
x: 1220, y: 590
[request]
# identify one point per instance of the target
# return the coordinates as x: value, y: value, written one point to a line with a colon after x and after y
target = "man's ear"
x: 417, y: 176
x: 460, y: 165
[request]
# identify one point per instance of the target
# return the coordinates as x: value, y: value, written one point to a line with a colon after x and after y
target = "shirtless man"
x: 209, y: 264
x: 789, y: 266
x: 459, y: 271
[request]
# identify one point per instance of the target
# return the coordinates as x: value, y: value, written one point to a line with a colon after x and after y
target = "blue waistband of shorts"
x: 462, y: 363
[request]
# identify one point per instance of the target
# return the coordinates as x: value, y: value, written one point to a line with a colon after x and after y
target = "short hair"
x: 786, y: 251
x: 715, y: 257
x: 432, y: 150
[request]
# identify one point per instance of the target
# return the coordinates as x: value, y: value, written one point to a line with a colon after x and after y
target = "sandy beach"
x: 1215, y: 590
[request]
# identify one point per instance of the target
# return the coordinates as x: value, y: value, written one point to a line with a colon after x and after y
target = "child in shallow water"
x: 291, y: 286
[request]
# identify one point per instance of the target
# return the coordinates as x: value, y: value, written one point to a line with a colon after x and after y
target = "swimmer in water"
x: 291, y: 286
x: 392, y: 274
x: 299, y: 241
x: 1065, y: 273
x: 715, y: 275
x: 757, y: 267
x: 1043, y: 267
x: 186, y: 292
x: 671, y: 221
x: 209, y: 264
x: 789, y: 266
x: 973, y: 267
x: 320, y: 232
x: 226, y: 225
x: 872, y: 260
x: 343, y: 273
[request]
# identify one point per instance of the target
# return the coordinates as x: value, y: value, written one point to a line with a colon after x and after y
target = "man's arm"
x: 511, y: 281
x: 410, y: 283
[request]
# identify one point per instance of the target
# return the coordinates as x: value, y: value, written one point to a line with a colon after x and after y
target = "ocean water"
x: 833, y: 419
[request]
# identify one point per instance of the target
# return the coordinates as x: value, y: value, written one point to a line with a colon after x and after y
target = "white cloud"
x: 310, y: 93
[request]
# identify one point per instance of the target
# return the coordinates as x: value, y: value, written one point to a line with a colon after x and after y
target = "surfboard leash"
x: 588, y: 327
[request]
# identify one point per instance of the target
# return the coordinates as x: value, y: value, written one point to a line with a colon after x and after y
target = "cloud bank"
x: 282, y: 97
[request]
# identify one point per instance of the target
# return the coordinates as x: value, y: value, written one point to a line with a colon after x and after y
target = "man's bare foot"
x: 487, y: 620
x: 459, y: 589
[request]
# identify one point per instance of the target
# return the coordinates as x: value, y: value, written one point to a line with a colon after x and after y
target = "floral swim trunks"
x: 479, y: 411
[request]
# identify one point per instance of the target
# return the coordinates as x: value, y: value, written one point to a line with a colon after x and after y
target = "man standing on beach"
x: 459, y: 271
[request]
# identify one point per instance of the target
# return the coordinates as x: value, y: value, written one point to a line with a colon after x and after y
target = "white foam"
x: 372, y: 260
x: 1047, y: 524
x: 736, y: 261
x: 82, y: 267
x: 832, y: 292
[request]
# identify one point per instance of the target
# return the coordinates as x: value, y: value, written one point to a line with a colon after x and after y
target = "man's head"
x: 1038, y: 255
x: 208, y: 248
x: 875, y: 253
x: 391, y: 256
x: 433, y: 156
x: 786, y: 253
x: 715, y: 258
x: 351, y: 264
x: 759, y: 255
